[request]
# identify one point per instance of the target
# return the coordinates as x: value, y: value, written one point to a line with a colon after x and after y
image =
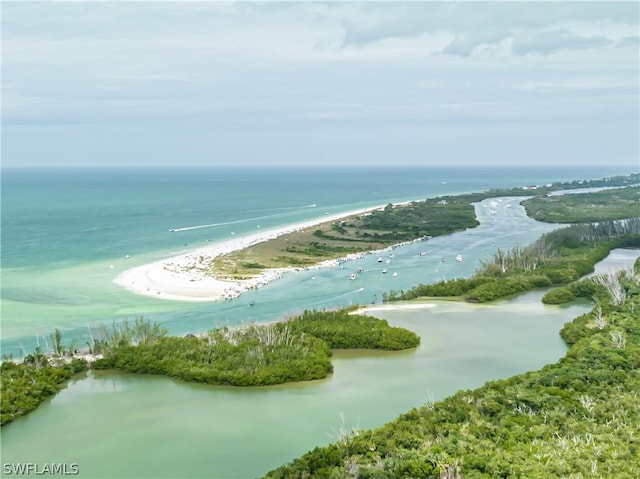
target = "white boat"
x: 391, y: 255
x: 352, y: 277
x: 384, y: 270
x: 422, y: 253
x: 459, y: 258
x: 388, y: 261
x: 379, y: 260
x: 395, y: 274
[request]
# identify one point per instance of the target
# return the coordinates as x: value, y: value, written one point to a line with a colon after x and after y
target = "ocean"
x: 67, y: 233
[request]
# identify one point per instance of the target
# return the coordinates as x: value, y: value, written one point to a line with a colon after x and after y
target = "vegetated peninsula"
x: 298, y: 349
x: 610, y: 204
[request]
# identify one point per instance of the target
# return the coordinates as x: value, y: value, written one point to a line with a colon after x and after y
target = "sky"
x: 205, y: 83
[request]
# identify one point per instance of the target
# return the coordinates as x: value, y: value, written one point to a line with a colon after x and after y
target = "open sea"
x: 66, y: 234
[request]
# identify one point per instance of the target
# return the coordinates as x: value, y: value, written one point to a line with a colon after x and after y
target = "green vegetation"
x: 399, y: 223
x: 585, y: 207
x: 254, y: 356
x: 23, y: 386
x: 259, y: 355
x: 344, y: 330
x: 557, y: 258
x: 576, y: 418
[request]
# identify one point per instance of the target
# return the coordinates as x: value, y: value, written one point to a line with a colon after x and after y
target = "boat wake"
x: 286, y: 208
x: 224, y: 223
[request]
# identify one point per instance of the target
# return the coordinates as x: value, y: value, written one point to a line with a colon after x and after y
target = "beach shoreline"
x: 181, y: 277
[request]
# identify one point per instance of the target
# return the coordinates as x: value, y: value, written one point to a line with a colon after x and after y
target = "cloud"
x: 632, y: 41
x: 549, y: 42
x: 535, y: 28
x: 464, y: 44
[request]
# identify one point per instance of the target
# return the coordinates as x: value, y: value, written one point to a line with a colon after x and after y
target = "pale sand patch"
x: 393, y: 307
x: 181, y: 277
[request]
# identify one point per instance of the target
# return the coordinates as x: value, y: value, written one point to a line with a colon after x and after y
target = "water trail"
x: 187, y: 228
x: 348, y: 293
x: 285, y: 208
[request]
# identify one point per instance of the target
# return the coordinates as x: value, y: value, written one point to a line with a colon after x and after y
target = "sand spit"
x: 182, y: 277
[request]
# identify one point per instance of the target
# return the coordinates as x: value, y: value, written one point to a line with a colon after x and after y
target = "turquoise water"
x: 66, y: 235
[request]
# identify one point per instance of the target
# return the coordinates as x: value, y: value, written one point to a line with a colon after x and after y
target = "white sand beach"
x: 181, y: 278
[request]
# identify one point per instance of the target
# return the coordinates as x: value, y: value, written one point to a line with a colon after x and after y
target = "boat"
x: 459, y: 258
x: 360, y: 270
x: 388, y: 261
x: 395, y: 274
x: 384, y: 270
x: 352, y: 277
x: 379, y: 260
x: 422, y: 253
x: 391, y: 255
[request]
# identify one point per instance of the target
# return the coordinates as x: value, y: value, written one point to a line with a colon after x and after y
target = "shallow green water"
x: 115, y: 425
